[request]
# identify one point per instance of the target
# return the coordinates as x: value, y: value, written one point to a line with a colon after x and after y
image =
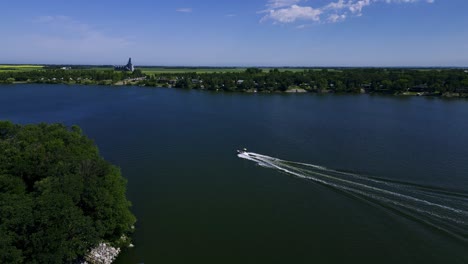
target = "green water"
x: 197, y: 202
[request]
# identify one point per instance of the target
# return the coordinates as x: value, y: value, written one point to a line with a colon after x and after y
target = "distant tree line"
x: 69, y: 76
x: 339, y: 80
x: 58, y: 197
x: 372, y: 80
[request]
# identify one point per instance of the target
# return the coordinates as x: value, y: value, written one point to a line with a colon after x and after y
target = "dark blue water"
x: 197, y: 202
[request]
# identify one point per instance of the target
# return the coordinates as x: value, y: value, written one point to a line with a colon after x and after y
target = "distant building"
x: 128, y: 67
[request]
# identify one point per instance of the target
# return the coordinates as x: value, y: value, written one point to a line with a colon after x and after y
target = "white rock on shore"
x: 102, y: 254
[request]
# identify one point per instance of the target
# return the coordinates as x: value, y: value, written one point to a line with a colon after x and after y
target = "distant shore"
x: 450, y: 83
x: 254, y: 91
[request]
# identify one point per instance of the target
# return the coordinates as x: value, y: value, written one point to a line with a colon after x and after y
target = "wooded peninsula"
x: 397, y: 81
x: 60, y: 201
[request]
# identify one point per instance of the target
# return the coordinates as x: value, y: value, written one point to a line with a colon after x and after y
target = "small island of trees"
x: 58, y: 197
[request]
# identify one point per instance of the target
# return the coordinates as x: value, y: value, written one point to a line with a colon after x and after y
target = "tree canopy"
x: 58, y: 197
x: 341, y: 80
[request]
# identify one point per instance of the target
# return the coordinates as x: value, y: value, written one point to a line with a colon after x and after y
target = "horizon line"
x: 239, y: 66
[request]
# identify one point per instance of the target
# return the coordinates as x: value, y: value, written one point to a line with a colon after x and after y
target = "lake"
x: 386, y: 178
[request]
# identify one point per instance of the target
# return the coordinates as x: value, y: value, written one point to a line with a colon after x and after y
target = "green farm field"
x: 162, y: 70
x: 154, y: 70
x: 19, y: 68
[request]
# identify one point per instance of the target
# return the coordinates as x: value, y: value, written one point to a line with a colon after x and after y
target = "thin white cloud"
x: 355, y: 7
x: 185, y: 10
x: 401, y: 1
x: 65, y: 24
x: 289, y: 11
x: 333, y: 18
x: 46, y: 19
x: 293, y: 13
x: 303, y: 26
x: 272, y: 4
x: 66, y: 36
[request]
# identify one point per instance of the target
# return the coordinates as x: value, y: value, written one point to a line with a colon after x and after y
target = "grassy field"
x: 20, y: 68
x: 155, y: 70
x: 161, y: 70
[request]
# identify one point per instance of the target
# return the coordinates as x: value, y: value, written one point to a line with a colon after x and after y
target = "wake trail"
x: 442, y: 209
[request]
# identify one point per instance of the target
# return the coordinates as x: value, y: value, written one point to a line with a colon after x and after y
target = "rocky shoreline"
x: 101, y: 254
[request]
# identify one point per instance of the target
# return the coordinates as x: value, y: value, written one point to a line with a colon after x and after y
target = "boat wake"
x: 439, y: 208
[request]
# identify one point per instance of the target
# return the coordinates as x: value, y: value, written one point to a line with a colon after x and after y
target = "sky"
x: 236, y: 32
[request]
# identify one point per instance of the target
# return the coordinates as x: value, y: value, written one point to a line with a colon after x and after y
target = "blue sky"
x: 236, y: 32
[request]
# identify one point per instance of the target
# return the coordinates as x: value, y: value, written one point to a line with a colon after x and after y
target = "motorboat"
x: 242, y: 151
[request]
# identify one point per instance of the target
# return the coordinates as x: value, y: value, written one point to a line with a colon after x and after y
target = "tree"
x: 183, y: 83
x: 253, y: 71
x: 58, y: 197
x: 387, y: 84
x: 322, y: 84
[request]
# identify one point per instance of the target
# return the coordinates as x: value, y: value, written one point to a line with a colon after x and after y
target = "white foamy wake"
x: 442, y: 209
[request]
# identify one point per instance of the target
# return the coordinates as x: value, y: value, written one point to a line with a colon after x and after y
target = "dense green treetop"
x: 58, y: 197
x: 372, y: 80
x: 81, y: 76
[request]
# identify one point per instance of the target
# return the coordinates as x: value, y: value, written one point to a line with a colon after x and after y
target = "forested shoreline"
x: 58, y: 198
x: 398, y: 81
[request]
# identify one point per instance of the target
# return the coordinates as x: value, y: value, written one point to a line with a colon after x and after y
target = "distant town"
x: 445, y: 82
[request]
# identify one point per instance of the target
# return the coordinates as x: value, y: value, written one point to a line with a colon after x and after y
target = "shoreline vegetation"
x: 443, y: 82
x: 60, y: 201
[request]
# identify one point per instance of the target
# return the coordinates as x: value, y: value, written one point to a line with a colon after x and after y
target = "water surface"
x: 197, y: 201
